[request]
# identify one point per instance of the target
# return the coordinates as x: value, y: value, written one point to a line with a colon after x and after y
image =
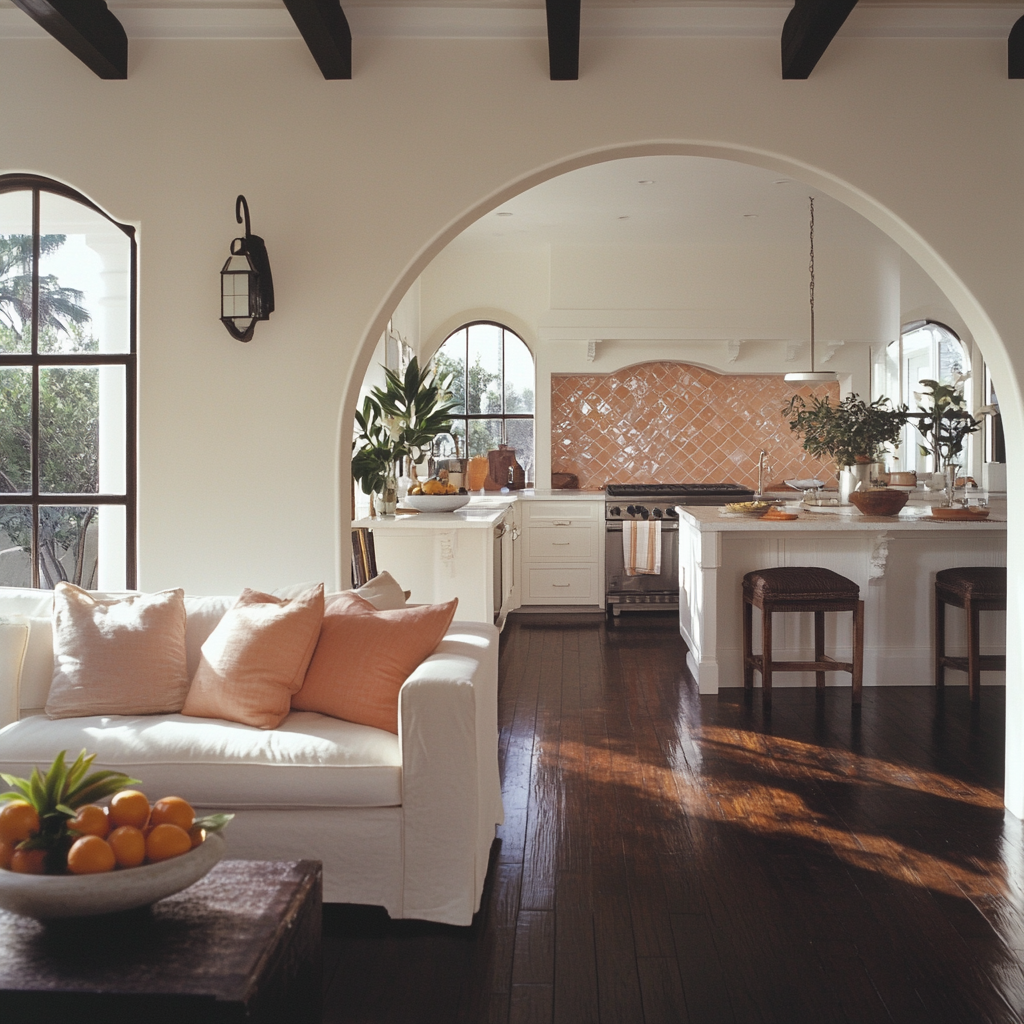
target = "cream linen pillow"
x: 384, y: 592
x: 117, y: 656
x: 256, y: 658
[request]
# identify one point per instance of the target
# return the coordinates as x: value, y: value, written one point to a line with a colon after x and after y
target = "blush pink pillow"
x: 256, y: 658
x: 364, y: 656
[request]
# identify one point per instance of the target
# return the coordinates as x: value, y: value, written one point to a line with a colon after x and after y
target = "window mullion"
x: 36, y: 247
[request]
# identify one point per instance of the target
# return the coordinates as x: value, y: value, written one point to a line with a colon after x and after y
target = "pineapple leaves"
x: 65, y: 788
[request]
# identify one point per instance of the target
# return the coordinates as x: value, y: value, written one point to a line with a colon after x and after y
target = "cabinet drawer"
x: 566, y: 511
x: 566, y: 543
x: 552, y: 585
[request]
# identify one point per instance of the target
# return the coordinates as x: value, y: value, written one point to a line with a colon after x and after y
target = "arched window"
x: 926, y: 350
x: 493, y: 380
x: 67, y: 389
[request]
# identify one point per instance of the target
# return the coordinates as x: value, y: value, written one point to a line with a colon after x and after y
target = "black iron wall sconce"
x: 246, y: 284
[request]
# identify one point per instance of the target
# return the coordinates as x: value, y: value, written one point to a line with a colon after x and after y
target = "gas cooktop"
x: 730, y: 492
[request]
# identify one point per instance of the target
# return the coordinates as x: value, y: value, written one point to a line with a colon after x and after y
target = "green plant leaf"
x: 212, y: 822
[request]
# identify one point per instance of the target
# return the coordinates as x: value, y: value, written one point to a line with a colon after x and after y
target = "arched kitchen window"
x: 67, y: 389
x: 926, y: 350
x: 494, y: 382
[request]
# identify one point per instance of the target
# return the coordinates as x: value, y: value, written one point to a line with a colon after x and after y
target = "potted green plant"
x: 944, y: 424
x: 854, y: 433
x: 401, y: 419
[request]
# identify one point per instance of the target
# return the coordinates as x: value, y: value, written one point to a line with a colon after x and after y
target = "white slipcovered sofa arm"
x: 451, y: 791
x: 13, y: 645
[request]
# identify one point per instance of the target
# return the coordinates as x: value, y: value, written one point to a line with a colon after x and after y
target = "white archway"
x: 900, y: 231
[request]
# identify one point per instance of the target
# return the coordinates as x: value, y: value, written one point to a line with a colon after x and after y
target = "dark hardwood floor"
x: 670, y: 857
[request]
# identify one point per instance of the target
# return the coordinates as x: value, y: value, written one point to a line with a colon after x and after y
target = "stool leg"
x: 858, y: 651
x: 819, y: 647
x: 973, y: 650
x: 940, y: 641
x: 766, y: 657
x: 748, y: 647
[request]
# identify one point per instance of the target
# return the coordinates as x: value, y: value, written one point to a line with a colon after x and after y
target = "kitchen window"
x: 493, y: 381
x: 926, y: 350
x: 67, y: 389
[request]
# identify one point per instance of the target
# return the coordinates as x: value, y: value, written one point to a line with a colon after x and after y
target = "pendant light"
x: 811, y: 376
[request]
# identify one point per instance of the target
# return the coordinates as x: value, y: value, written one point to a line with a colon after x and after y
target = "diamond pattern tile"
x: 670, y: 422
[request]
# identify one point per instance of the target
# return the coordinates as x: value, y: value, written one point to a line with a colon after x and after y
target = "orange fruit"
x: 166, y: 841
x: 197, y: 835
x: 129, y: 807
x: 172, y: 810
x: 6, y: 853
x: 91, y: 820
x: 129, y: 846
x: 90, y: 855
x: 29, y: 862
x: 18, y: 821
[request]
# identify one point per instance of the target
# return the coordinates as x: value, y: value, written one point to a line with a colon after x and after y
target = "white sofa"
x: 405, y: 822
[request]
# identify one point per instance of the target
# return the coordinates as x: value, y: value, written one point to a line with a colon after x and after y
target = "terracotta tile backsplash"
x: 669, y: 422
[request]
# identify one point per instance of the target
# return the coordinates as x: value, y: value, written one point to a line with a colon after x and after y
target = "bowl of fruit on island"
x: 65, y: 854
x: 436, y: 495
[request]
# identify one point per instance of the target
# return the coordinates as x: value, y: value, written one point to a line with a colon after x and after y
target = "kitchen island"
x: 893, y: 559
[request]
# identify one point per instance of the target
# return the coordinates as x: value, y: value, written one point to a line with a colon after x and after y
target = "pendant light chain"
x: 812, y: 282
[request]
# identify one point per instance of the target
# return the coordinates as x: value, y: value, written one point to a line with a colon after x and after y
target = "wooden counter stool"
x: 976, y: 589
x: 800, y: 589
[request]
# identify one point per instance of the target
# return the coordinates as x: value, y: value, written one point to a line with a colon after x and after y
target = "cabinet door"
x: 562, y: 543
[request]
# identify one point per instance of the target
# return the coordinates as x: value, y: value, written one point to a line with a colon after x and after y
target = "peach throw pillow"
x: 256, y: 658
x: 117, y: 656
x: 364, y: 656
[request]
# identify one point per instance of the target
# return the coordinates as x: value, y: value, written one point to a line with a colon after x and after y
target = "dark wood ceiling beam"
x: 325, y: 29
x: 87, y: 28
x: 810, y: 27
x: 564, y: 39
x: 1015, y: 50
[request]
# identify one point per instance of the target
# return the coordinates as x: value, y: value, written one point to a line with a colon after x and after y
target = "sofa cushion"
x: 121, y: 656
x: 309, y: 761
x: 364, y: 656
x: 256, y: 658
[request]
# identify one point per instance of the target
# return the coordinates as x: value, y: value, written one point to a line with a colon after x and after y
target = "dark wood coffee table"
x: 243, y: 944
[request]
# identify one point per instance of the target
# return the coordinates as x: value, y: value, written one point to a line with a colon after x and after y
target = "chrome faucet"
x: 762, y: 465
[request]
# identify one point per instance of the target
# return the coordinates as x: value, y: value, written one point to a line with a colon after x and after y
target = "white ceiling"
x: 693, y: 201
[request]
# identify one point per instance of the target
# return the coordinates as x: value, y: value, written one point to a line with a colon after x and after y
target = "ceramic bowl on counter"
x: 881, y: 502
x: 436, y: 502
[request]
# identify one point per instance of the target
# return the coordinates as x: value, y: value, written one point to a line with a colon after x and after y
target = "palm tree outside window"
x: 494, y: 383
x: 67, y: 389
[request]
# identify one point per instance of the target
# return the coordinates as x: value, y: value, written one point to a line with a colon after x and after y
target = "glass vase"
x: 950, y: 474
x: 387, y: 501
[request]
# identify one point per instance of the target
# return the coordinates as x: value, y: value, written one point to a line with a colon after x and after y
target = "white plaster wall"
x: 356, y: 185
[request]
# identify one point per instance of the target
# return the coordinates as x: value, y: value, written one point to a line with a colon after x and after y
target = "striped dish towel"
x: 641, y: 547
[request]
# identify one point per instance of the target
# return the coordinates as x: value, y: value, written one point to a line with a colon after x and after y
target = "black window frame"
x: 35, y: 361
x: 466, y: 416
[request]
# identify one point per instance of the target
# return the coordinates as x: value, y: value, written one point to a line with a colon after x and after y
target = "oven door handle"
x: 615, y: 526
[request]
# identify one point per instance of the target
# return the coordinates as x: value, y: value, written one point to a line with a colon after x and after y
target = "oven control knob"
x: 631, y: 510
x: 642, y: 510
x: 616, y: 511
x: 672, y: 513
x: 657, y: 513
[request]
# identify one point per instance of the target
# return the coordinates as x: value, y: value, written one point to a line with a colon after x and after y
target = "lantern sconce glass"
x: 246, y: 284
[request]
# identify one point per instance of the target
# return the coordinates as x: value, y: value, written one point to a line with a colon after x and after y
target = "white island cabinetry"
x: 440, y: 555
x: 561, y: 548
x: 893, y: 559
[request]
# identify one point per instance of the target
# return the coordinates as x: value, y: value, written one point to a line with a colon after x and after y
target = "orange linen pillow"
x: 256, y: 658
x: 364, y: 656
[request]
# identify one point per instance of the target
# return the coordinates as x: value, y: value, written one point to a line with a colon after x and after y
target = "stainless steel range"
x: 653, y: 502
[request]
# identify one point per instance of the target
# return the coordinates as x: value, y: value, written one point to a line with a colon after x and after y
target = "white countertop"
x: 710, y: 519
x: 466, y: 518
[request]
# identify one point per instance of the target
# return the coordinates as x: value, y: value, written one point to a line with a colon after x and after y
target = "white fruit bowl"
x: 47, y: 897
x: 436, y: 502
